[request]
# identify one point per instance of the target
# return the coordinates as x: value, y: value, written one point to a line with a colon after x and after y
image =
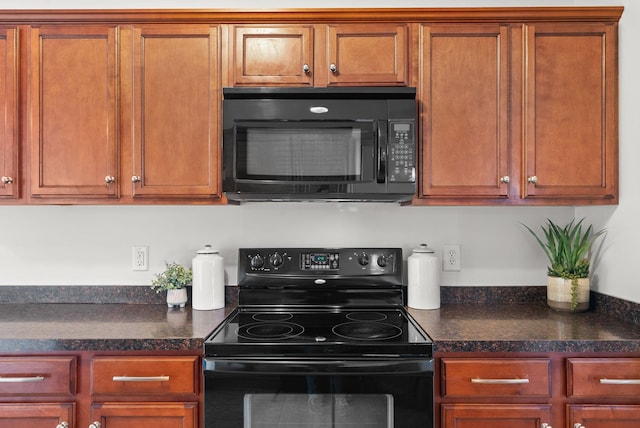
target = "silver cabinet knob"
x: 109, y: 179
x: 578, y: 425
x: 63, y: 425
x: 136, y: 179
x: 545, y: 425
x: 333, y: 68
x: 505, y: 179
x: 306, y: 68
x: 95, y: 424
x: 533, y: 179
x: 7, y: 180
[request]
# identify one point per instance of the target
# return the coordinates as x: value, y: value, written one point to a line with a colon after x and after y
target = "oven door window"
x: 318, y: 401
x: 305, y: 151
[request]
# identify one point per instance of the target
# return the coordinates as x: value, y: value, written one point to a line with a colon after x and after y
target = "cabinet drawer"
x: 38, y: 375
x: 145, y: 375
x: 603, y: 377
x: 496, y: 377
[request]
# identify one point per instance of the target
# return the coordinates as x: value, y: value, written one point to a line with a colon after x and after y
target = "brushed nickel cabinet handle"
x: 306, y: 68
x: 333, y: 68
x: 533, y: 179
x: 545, y: 425
x: 499, y: 381
x: 95, y: 424
x: 140, y: 378
x: 7, y: 180
x: 109, y: 179
x: 505, y: 179
x: 605, y: 381
x: 578, y: 425
x: 63, y: 425
x: 21, y: 379
x: 136, y: 179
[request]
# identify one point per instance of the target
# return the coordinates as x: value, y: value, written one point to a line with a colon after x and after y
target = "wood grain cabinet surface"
x: 319, y: 55
x: 73, y: 132
x: 9, y: 143
x: 37, y: 392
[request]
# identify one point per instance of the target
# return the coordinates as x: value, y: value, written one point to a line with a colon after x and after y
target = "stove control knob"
x: 363, y: 259
x: 257, y: 262
x: 276, y: 260
x: 382, y: 260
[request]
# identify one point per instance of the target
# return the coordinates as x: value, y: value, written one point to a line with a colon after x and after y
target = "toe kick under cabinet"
x: 100, y: 390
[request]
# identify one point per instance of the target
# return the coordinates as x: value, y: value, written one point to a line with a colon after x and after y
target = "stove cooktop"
x: 359, y: 332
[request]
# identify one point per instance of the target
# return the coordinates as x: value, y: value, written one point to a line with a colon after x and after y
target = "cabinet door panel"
x: 176, y: 98
x: 605, y: 416
x: 273, y: 55
x: 465, y: 111
x: 368, y: 54
x: 495, y: 415
x: 9, y: 184
x: 145, y: 415
x: 36, y: 415
x: 73, y: 111
x: 571, y: 112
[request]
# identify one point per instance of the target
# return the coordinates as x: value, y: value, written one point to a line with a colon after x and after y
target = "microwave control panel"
x: 401, y: 152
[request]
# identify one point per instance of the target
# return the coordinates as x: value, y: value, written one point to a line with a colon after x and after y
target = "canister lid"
x: 423, y: 248
x: 207, y: 250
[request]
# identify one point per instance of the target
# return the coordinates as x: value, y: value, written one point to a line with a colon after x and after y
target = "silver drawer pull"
x: 500, y: 381
x: 606, y: 381
x: 140, y: 378
x: 21, y: 379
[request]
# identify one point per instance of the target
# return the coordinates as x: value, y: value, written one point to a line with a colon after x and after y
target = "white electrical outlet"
x: 451, y: 257
x: 140, y: 258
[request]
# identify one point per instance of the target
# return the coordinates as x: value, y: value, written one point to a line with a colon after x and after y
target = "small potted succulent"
x: 567, y: 249
x: 173, y: 279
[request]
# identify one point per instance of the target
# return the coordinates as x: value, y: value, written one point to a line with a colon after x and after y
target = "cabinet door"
x: 274, y: 55
x: 605, y: 416
x: 570, y: 143
x: 36, y: 415
x: 72, y: 132
x: 464, y: 86
x: 495, y: 415
x: 367, y: 54
x: 145, y: 415
x: 176, y: 94
x: 8, y: 111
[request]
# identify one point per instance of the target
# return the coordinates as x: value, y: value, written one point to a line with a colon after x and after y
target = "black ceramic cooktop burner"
x: 270, y: 326
x: 365, y: 330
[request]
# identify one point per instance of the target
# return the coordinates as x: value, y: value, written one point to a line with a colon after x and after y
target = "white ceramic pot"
x: 208, y: 280
x: 423, y: 288
x: 177, y: 297
x: 560, y: 292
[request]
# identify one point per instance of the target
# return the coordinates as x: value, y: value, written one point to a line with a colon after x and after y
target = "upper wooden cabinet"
x: 319, y: 55
x: 519, y: 114
x: 9, y: 177
x: 465, y: 118
x: 570, y: 118
x: 172, y: 106
x: 73, y: 133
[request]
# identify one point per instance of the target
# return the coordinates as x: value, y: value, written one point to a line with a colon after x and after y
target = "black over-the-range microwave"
x: 319, y: 144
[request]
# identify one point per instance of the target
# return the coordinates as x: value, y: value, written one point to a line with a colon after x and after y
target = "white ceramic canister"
x: 423, y: 279
x: 208, y: 280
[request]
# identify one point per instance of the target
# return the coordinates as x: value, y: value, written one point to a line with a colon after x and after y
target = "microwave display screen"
x: 303, y: 153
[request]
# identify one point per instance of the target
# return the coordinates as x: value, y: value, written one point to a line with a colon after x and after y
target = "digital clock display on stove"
x: 319, y: 261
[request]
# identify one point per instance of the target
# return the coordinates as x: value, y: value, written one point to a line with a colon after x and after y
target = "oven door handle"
x: 325, y: 367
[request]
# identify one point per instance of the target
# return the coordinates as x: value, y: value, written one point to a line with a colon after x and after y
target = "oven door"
x: 269, y: 393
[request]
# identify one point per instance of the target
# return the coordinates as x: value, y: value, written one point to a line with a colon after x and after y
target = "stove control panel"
x: 313, y: 263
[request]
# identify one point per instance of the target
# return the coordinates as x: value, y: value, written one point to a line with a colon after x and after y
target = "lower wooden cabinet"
x: 495, y: 415
x: 146, y: 415
x: 604, y: 416
x: 36, y: 415
x: 114, y: 389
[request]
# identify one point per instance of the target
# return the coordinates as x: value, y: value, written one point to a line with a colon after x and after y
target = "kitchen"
x: 92, y: 245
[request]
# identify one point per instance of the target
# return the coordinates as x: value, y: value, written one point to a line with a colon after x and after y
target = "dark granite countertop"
x: 104, y: 327
x: 524, y: 327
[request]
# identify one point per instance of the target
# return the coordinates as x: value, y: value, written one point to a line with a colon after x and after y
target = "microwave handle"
x: 381, y: 137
